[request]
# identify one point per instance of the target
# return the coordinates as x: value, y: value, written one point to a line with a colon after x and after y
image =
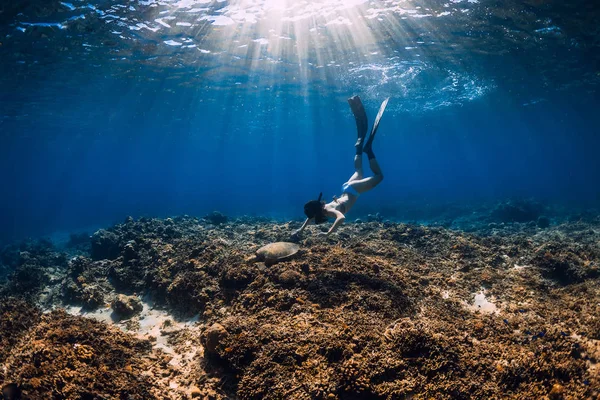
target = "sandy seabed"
x: 174, y: 309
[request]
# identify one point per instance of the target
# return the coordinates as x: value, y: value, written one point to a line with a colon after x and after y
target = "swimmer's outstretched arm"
x: 339, y: 219
x: 299, y: 231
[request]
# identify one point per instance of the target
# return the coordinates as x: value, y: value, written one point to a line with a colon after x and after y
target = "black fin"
x: 362, y: 123
x: 378, y: 118
x: 368, y: 145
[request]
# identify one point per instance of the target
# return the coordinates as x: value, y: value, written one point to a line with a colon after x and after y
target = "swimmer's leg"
x: 358, y: 169
x: 368, y: 146
x: 361, y: 128
x: 361, y: 122
x: 366, y: 184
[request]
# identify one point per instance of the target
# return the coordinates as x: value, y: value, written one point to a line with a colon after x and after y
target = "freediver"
x: 316, y: 210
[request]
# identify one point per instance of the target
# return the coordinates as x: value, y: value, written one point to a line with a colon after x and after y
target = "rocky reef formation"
x: 57, y: 355
x: 380, y: 310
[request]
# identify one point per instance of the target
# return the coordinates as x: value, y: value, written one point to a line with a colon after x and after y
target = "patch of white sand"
x: 482, y: 304
x: 101, y: 314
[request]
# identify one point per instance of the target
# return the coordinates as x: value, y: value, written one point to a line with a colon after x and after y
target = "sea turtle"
x: 275, y: 252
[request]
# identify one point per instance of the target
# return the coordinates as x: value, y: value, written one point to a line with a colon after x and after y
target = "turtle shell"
x: 274, y: 252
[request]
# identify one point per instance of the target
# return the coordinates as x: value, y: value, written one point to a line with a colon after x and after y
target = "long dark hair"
x: 316, y: 209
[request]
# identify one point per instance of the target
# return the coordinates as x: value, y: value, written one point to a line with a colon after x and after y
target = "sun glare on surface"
x: 284, y: 28
x: 308, y: 35
x: 379, y: 47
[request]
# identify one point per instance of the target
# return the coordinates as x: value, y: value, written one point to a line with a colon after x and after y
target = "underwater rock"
x: 105, y: 245
x: 79, y: 265
x: 374, y: 217
x: 129, y: 251
x: 92, y: 297
x: 85, y: 283
x: 290, y: 277
x: 216, y: 218
x: 543, y: 222
x: 89, y: 296
x: 213, y: 337
x: 195, y: 392
x: 126, y: 306
x: 557, y: 392
x: 517, y: 211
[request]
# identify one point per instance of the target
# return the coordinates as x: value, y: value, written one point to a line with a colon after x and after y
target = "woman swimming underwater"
x: 316, y: 210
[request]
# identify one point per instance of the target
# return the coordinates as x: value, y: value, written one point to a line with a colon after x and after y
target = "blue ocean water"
x: 161, y: 108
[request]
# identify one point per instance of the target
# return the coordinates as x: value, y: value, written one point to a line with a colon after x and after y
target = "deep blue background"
x: 111, y: 148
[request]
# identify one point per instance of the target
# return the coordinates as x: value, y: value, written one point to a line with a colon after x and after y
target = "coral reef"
x: 85, y: 283
x: 380, y: 310
x: 16, y: 318
x: 68, y: 357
